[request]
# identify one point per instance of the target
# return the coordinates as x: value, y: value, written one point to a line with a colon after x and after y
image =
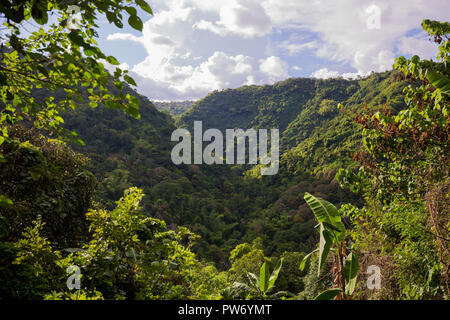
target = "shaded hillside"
x: 126, y: 152
x: 304, y: 110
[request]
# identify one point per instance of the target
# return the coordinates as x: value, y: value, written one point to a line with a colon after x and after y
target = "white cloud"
x: 222, y: 71
x: 275, y: 68
x: 421, y: 47
x: 181, y: 65
x: 343, y: 32
x: 164, y: 41
x: 293, y: 48
x: 194, y: 46
x: 243, y: 17
x: 124, y: 36
x: 324, y: 73
x: 217, y: 72
x: 209, y: 26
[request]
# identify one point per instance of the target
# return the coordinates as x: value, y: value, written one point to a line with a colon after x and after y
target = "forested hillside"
x: 88, y: 186
x: 174, y: 108
x: 126, y: 152
x: 306, y: 113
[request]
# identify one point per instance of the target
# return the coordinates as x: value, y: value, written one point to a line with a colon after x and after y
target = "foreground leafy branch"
x: 61, y: 56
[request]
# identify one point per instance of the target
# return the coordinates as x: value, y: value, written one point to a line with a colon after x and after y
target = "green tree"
x: 404, y: 175
x: 60, y: 56
x: 130, y: 256
x: 45, y: 177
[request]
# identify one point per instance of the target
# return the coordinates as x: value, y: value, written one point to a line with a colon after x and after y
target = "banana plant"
x: 265, y: 282
x: 332, y: 238
x: 439, y: 81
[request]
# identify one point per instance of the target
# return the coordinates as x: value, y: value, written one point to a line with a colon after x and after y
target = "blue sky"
x: 191, y: 47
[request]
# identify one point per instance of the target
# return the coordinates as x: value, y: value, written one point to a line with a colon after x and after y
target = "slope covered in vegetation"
x: 113, y: 207
x: 228, y: 205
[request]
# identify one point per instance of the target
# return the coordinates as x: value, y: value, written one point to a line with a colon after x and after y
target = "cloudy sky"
x: 191, y: 47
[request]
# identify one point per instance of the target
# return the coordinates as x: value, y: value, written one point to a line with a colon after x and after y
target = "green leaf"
x: 114, y: 105
x: 131, y: 11
x: 118, y: 23
x: 324, y: 247
x: 39, y: 11
x: 439, y: 81
x: 264, y: 277
x: 134, y: 113
x: 305, y: 259
x: 118, y: 84
x: 4, y: 201
x: 76, y: 38
x: 275, y: 272
x: 89, y: 52
x: 133, y: 107
x: 326, y: 212
x: 253, y: 278
x: 117, y: 72
x: 110, y: 16
x: 351, y: 268
x: 112, y: 60
x: 135, y: 22
x: 129, y: 79
x: 328, y: 294
x: 144, y: 6
x: 79, y: 142
x: 330, y: 227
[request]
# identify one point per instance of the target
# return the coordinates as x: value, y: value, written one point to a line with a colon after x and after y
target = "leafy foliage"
x: 60, y: 56
x: 266, y: 280
x: 129, y: 256
x: 44, y: 177
x: 42, y: 61
x: 404, y: 175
